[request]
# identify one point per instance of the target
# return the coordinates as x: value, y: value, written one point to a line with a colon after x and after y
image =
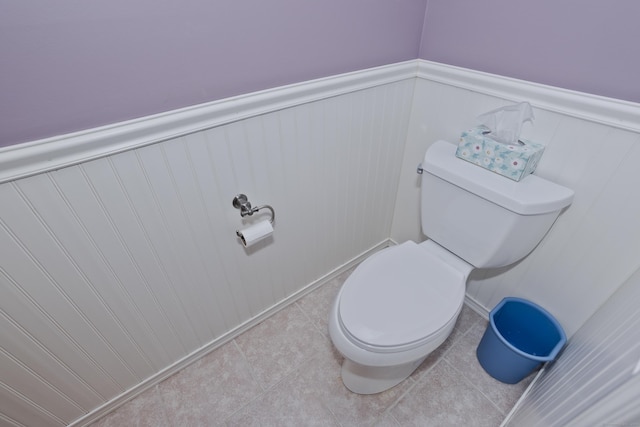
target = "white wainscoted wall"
x: 117, y: 271
x: 119, y: 260
x: 592, y: 146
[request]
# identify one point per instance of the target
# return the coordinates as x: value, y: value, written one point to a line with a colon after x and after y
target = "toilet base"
x: 375, y: 379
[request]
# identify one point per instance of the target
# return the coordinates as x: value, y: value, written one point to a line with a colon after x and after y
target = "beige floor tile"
x: 433, y: 358
x: 316, y: 389
x: 386, y: 420
x: 280, y: 408
x: 322, y: 379
x: 444, y: 397
x: 279, y: 345
x: 210, y: 390
x: 292, y: 402
x: 286, y: 372
x: 463, y: 358
x: 466, y: 320
x: 317, y: 304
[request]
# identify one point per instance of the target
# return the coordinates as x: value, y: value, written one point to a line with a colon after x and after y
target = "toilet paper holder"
x: 242, y: 202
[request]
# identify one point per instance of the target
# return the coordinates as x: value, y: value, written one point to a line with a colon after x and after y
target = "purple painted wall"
x: 586, y: 45
x: 77, y: 64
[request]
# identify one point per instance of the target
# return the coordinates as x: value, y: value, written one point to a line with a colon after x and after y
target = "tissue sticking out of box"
x: 496, y: 145
x: 505, y: 123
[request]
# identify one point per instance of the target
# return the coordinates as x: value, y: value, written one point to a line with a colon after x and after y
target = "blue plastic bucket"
x: 520, y: 336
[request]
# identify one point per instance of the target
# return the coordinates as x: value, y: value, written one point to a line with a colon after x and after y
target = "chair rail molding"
x: 56, y: 152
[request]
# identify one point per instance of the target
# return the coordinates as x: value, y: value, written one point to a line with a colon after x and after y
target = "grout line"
x: 468, y: 380
x: 305, y: 314
x: 413, y: 386
x: 426, y: 372
x: 164, y: 408
x: 415, y: 382
x: 266, y: 390
x: 251, y: 374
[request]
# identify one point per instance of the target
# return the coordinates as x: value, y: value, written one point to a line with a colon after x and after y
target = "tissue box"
x: 514, y: 161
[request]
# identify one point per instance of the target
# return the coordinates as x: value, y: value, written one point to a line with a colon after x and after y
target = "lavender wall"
x: 79, y: 64
x: 73, y: 65
x: 585, y: 45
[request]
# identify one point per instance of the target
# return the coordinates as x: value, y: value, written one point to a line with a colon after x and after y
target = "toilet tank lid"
x: 531, y: 196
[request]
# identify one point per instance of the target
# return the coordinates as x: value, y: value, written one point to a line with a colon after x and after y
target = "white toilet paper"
x: 254, y: 233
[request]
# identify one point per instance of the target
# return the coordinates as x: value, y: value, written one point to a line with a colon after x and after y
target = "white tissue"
x: 506, y: 123
x: 255, y: 233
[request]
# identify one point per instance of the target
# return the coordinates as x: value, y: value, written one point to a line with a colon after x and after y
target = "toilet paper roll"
x: 254, y: 233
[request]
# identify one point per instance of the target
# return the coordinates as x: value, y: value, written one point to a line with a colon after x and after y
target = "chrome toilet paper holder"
x: 242, y: 202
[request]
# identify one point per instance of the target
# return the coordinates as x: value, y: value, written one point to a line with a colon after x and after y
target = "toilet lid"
x: 400, y: 296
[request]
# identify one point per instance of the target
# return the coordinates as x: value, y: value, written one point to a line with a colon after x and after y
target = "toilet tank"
x: 482, y: 217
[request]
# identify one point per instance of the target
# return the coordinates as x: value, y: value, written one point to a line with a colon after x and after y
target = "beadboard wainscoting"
x: 592, y: 146
x: 119, y: 259
x: 116, y: 272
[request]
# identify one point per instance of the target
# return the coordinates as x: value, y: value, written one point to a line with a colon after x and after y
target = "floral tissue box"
x: 514, y: 161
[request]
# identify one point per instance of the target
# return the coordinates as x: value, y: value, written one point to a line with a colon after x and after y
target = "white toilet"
x: 401, y: 303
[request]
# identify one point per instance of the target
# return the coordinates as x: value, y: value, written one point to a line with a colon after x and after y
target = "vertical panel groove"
x: 10, y: 421
x: 38, y: 409
x: 209, y: 224
x: 189, y: 224
x: 114, y: 276
x: 42, y: 380
x: 45, y: 350
x: 156, y: 258
x: 185, y: 273
x: 27, y: 296
x: 85, y: 281
x: 200, y: 218
x: 223, y: 267
x: 105, y: 261
x: 127, y: 251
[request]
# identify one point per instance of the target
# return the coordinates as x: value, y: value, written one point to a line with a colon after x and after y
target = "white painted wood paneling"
x: 115, y: 270
x: 594, y: 245
x: 592, y: 383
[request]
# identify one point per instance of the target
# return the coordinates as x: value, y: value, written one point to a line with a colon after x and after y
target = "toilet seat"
x: 400, y: 298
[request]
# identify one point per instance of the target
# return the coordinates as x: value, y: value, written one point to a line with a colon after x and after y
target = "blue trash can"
x: 520, y: 336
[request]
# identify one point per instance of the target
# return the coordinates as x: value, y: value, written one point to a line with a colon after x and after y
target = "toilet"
x: 402, y: 302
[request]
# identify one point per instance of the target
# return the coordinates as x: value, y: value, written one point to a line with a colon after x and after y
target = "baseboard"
x: 476, y: 306
x: 140, y: 388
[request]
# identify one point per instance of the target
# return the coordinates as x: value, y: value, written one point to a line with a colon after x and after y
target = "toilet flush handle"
x: 420, y: 170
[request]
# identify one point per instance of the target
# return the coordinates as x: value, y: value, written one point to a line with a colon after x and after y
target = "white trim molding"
x: 609, y: 111
x: 53, y: 153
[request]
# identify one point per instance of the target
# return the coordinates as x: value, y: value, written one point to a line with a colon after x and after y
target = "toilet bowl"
x: 398, y: 306
x: 402, y: 303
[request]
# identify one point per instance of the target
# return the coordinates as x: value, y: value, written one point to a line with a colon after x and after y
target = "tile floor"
x: 285, y: 372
